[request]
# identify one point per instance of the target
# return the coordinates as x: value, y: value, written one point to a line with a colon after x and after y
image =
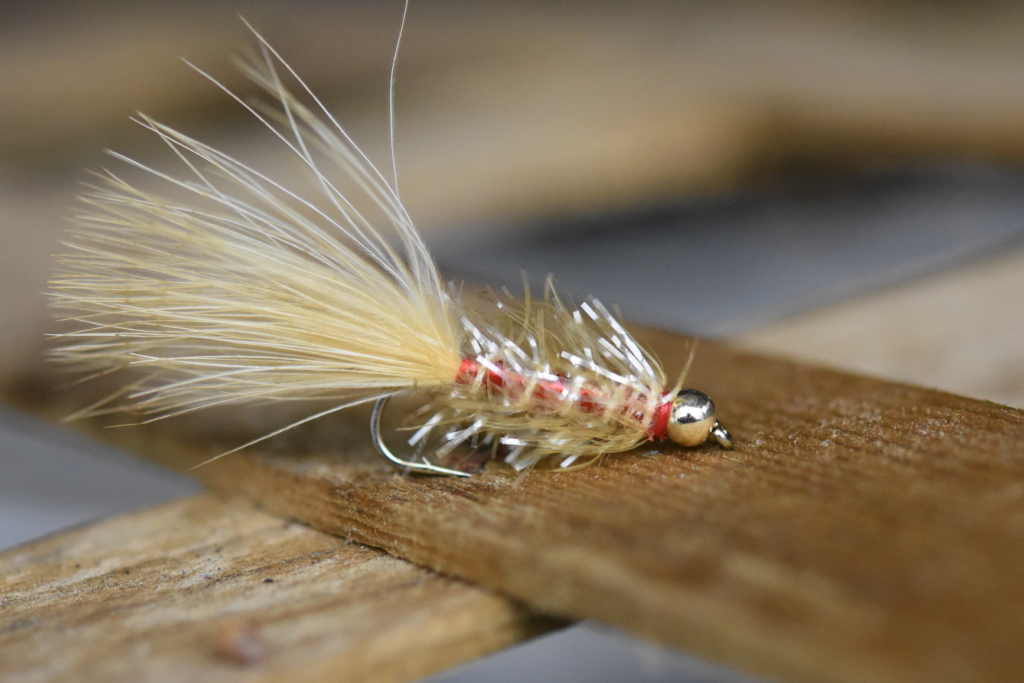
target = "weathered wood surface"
x: 201, y: 590
x: 958, y: 330
x: 860, y: 531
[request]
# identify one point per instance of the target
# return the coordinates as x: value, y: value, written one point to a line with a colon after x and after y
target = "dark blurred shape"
x: 720, y: 266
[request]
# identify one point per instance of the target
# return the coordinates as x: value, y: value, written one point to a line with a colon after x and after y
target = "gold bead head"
x: 692, y: 420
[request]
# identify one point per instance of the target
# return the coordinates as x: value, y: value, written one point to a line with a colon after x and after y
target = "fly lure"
x: 254, y: 291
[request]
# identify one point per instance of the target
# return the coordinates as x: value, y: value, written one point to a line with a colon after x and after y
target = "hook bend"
x: 396, y: 462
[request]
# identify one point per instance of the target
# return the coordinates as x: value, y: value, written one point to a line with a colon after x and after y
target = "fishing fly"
x: 257, y: 290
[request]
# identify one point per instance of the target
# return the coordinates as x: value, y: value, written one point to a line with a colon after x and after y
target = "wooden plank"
x: 201, y: 590
x: 860, y: 531
x: 958, y: 331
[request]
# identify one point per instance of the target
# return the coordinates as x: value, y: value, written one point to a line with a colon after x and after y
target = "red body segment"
x: 550, y: 391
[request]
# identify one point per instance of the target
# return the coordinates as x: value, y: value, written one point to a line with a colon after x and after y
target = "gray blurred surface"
x: 588, y: 652
x: 52, y: 479
x: 722, y: 266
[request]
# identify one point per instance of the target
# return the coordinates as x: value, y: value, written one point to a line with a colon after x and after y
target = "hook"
x: 396, y: 462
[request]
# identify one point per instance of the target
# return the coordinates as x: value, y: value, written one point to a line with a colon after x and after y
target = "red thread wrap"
x: 550, y: 391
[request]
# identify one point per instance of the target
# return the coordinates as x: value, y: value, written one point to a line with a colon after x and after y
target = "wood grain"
x: 200, y: 590
x: 860, y: 531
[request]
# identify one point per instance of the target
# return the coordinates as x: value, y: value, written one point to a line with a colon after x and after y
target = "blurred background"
x: 710, y: 167
x: 839, y: 182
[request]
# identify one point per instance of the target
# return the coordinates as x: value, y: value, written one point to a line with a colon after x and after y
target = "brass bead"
x: 692, y: 420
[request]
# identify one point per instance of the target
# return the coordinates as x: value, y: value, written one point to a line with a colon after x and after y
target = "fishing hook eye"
x: 396, y: 462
